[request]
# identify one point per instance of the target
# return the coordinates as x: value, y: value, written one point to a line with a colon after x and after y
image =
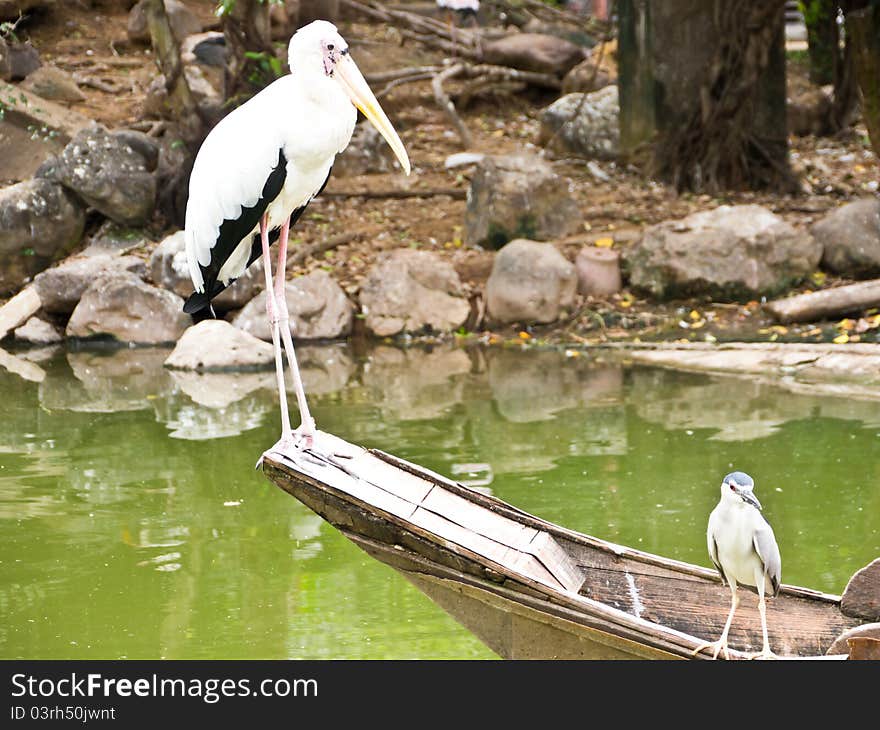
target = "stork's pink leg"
x: 287, y: 437
x: 306, y: 430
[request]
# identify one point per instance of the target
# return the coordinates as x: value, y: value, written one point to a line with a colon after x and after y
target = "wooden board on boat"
x: 529, y: 588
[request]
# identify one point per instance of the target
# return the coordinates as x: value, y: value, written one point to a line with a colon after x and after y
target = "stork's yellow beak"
x: 363, y: 98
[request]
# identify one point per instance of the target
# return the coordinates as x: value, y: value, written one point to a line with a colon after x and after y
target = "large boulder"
x: 169, y: 269
x: 107, y: 173
x: 850, y: 237
x: 17, y: 60
x: 317, y: 305
x: 729, y: 253
x: 584, y: 124
x: 587, y: 77
x: 534, y: 52
x: 412, y: 291
x: 182, y: 20
x: 531, y: 282
x: 61, y: 287
x: 51, y: 82
x: 367, y: 153
x: 123, y: 307
x: 216, y: 345
x: 518, y: 196
x: 39, y: 223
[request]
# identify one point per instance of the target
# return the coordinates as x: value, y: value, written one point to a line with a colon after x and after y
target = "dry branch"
x: 454, y: 193
x: 446, y: 103
x: 301, y: 254
x: 826, y: 303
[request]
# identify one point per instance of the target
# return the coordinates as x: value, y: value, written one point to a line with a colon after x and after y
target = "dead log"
x: 826, y: 303
x: 446, y: 104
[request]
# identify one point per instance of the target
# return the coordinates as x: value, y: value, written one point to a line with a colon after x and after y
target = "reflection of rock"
x: 534, y: 386
x: 122, y: 380
x: 193, y: 422
x: 218, y: 390
x: 416, y: 384
x: 325, y: 368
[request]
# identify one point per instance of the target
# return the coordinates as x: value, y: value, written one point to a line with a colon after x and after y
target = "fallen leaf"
x: 841, y: 339
x: 695, y: 314
x: 606, y: 242
x: 525, y: 336
x: 846, y: 325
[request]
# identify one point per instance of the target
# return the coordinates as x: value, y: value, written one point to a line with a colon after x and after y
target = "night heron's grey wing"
x: 768, y: 551
x: 713, y: 553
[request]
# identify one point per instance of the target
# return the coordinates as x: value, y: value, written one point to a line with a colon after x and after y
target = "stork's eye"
x: 330, y: 46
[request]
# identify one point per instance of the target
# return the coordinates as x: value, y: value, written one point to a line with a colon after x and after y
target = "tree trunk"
x: 183, y: 109
x: 251, y: 63
x: 702, y: 92
x: 863, y: 28
x: 820, y: 17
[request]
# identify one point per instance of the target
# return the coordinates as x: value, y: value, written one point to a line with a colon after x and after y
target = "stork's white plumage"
x: 471, y: 5
x: 261, y: 166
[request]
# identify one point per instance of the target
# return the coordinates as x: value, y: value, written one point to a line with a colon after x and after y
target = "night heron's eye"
x: 732, y: 488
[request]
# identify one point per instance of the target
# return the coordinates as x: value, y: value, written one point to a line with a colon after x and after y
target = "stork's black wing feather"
x: 257, y: 247
x: 232, y: 232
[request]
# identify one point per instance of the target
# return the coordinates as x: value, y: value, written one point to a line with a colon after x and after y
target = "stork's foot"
x: 716, y: 646
x: 765, y: 653
x: 290, y: 444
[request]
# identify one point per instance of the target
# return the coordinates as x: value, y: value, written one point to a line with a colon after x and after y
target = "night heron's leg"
x: 287, y: 438
x: 765, y: 652
x: 721, y: 644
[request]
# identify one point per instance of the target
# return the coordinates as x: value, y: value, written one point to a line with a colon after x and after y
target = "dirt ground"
x: 90, y: 38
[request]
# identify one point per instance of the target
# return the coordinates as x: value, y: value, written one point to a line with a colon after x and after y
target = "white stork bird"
x: 257, y: 171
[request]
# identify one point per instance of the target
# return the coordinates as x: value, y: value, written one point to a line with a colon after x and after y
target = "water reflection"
x: 133, y: 524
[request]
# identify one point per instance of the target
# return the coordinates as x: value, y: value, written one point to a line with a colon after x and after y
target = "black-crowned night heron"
x: 743, y: 548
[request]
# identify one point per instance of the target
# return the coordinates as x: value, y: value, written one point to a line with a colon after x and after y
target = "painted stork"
x: 257, y: 171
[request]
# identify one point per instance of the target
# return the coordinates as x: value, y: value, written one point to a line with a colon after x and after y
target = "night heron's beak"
x: 363, y: 98
x: 749, y: 498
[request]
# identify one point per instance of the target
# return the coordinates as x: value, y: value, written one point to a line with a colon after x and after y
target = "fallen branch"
x: 826, y: 303
x: 301, y: 254
x: 446, y: 103
x: 454, y: 193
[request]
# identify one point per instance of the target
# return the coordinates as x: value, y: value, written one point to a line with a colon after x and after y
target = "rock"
x: 518, y: 196
x: 142, y: 143
x: 586, y: 77
x: 730, y: 253
x: 39, y: 223
x: 318, y: 308
x: 17, y: 60
x: 585, y: 125
x: 206, y: 91
x: 113, y: 238
x: 214, y: 344
x: 122, y: 306
x: 61, y: 287
x: 598, y: 271
x: 168, y: 268
x: 412, y: 291
x: 107, y: 174
x: 850, y: 236
x: 19, y: 309
x: 367, y: 153
x: 531, y: 282
x: 50, y: 82
x: 38, y: 331
x: 11, y: 9
x: 462, y: 159
x: 534, y: 52
x: 183, y: 21
x: 206, y: 48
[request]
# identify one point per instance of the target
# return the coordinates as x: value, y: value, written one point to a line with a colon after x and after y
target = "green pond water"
x: 133, y: 523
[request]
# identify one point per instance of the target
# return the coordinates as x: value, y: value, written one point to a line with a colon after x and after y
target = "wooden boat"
x: 530, y: 589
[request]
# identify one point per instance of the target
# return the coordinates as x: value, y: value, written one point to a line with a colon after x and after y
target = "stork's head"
x: 318, y: 50
x: 739, y: 487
